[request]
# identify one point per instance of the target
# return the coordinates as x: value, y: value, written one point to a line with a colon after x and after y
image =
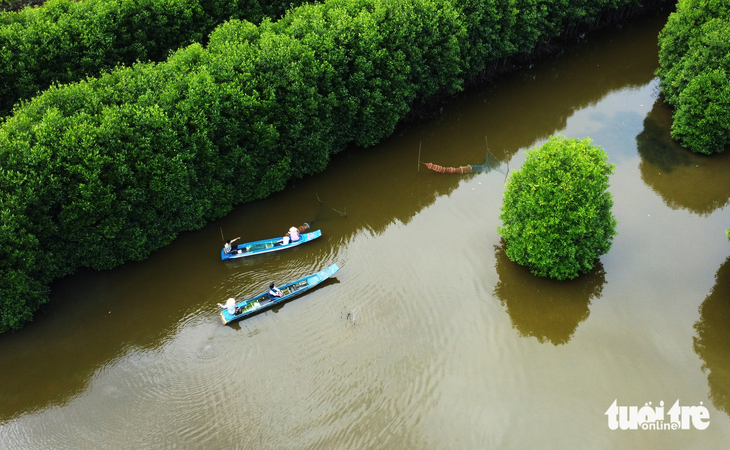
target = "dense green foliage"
x: 107, y: 170
x: 694, y: 71
x: 556, y: 211
x: 67, y: 40
x: 503, y: 28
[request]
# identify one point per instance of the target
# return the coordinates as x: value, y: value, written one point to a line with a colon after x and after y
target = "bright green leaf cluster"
x: 556, y: 211
x: 107, y: 170
x: 97, y: 173
x: 65, y: 41
x: 694, y: 59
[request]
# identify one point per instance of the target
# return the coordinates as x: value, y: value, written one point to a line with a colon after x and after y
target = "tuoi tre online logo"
x: 648, y: 418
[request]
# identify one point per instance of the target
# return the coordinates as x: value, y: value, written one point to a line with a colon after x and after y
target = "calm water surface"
x: 428, y: 337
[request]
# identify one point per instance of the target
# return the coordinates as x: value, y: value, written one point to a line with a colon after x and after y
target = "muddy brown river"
x: 428, y: 337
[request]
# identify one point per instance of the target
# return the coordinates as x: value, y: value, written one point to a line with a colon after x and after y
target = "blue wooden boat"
x: 267, y: 245
x: 262, y: 301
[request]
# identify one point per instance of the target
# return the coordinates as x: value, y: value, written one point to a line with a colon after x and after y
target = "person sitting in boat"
x: 284, y: 240
x: 228, y: 248
x: 274, y: 292
x: 230, y: 306
x: 293, y: 234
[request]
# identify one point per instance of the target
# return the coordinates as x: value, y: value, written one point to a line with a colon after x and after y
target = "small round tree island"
x: 556, y: 212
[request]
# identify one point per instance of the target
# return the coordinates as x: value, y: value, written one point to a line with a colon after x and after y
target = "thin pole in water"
x: 222, y: 238
x: 343, y: 214
x: 419, y: 157
x: 487, y: 141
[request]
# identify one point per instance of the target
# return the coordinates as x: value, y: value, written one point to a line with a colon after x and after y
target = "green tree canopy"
x: 556, y: 211
x: 106, y: 170
x: 694, y: 60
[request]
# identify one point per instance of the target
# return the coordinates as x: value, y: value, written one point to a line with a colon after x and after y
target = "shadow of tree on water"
x: 547, y: 309
x: 712, y: 343
x: 684, y: 180
x: 94, y: 318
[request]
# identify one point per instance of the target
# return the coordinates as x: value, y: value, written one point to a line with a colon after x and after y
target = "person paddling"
x: 228, y: 248
x: 230, y: 306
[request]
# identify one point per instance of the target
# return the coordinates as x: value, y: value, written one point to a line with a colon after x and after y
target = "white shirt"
x: 231, y: 305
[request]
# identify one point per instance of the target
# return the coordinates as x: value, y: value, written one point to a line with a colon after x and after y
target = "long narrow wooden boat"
x: 267, y: 245
x: 262, y: 301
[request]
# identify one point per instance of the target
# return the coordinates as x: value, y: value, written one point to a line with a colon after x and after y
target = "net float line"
x: 488, y: 166
x: 449, y: 170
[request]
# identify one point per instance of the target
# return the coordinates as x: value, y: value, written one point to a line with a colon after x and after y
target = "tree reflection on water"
x: 684, y: 180
x: 547, y: 309
x: 712, y: 343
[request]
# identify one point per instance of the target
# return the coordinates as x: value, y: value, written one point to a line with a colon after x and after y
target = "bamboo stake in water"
x: 419, y: 157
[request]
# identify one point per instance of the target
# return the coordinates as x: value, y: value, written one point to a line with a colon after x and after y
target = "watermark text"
x: 654, y: 418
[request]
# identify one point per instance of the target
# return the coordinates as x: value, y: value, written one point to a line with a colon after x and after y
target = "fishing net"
x: 488, y: 166
x: 449, y: 170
